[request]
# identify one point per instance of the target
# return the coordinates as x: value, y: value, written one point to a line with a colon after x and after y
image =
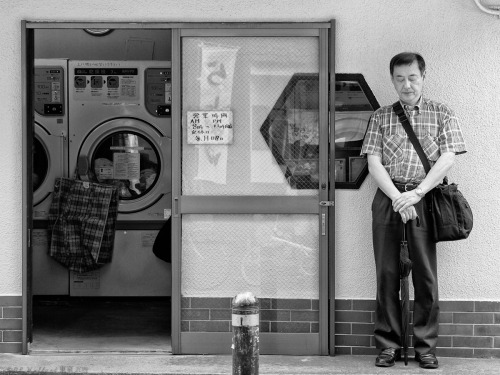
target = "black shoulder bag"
x: 451, y: 213
x: 162, y: 245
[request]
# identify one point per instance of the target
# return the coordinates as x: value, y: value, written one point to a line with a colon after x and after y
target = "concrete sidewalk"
x: 222, y: 364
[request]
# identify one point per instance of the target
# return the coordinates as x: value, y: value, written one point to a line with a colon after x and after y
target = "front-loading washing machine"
x: 50, y: 142
x: 120, y: 134
x: 134, y: 271
x: 50, y: 161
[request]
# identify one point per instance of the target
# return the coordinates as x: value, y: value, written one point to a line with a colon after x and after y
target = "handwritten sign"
x: 210, y: 127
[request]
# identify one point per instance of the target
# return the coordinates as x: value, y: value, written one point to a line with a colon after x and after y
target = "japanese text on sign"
x: 210, y: 127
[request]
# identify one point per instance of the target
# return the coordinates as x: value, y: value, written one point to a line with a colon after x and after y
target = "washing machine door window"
x: 133, y: 155
x: 47, y: 165
x: 40, y: 164
x: 129, y: 161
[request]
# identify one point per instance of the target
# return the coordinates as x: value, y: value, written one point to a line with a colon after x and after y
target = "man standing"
x: 403, y: 183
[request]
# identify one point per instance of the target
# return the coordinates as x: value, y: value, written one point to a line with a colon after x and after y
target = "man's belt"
x: 401, y: 186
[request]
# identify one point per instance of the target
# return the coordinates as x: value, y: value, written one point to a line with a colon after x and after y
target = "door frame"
x: 326, y: 31
x: 185, y: 343
x: 331, y: 191
x: 28, y: 63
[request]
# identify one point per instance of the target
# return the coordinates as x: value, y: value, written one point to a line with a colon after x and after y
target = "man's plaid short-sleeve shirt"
x: 436, y: 127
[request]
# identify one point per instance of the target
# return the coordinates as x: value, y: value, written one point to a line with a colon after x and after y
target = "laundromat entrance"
x: 102, y: 110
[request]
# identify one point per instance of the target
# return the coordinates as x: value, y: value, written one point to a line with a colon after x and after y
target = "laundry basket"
x: 82, y: 219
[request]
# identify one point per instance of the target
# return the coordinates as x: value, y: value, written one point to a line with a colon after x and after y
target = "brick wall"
x: 276, y: 315
x: 467, y: 328
x: 10, y: 324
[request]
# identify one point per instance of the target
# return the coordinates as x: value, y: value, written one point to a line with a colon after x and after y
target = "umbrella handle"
x: 404, y: 231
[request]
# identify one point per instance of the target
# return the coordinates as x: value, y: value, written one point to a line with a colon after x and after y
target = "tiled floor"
x: 101, y: 325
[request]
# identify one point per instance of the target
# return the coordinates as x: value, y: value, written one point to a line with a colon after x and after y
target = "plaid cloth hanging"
x: 82, y: 220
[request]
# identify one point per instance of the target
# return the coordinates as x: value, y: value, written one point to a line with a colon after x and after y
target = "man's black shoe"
x: 427, y: 360
x: 388, y: 357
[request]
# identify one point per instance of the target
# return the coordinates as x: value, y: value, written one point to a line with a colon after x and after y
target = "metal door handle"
x: 327, y: 203
x: 63, y: 148
x: 176, y: 207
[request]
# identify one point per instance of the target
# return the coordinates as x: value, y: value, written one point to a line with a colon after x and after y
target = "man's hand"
x: 405, y: 201
x: 408, y: 214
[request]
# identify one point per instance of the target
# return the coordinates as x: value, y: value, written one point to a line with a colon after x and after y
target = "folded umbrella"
x: 405, y: 265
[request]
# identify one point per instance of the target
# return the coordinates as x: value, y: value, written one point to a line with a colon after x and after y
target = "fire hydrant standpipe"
x: 245, y: 322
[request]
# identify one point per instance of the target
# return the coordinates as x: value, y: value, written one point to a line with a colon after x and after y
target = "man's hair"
x: 407, y: 58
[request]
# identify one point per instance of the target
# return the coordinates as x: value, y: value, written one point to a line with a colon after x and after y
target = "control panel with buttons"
x: 49, y: 89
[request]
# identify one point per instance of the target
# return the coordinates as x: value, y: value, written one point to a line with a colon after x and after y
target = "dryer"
x: 50, y: 161
x: 120, y: 132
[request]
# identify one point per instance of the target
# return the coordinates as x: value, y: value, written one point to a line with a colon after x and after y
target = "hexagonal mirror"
x: 291, y: 130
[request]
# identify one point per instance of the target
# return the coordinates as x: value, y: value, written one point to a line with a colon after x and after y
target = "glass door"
x: 250, y: 170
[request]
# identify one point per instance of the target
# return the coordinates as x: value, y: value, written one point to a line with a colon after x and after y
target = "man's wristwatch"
x: 419, y: 192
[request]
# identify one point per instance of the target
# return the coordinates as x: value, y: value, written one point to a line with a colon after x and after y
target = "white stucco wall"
x: 461, y: 46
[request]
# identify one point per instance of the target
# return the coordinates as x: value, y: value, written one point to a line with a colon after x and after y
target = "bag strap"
x: 411, y: 134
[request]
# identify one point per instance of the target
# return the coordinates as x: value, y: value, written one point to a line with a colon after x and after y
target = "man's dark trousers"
x: 387, y: 233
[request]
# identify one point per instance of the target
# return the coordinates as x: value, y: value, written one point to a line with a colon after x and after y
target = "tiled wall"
x: 10, y: 324
x: 467, y: 328
x: 276, y: 315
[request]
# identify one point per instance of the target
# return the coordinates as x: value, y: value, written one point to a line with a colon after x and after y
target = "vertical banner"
x: 216, y: 80
x: 216, y: 87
